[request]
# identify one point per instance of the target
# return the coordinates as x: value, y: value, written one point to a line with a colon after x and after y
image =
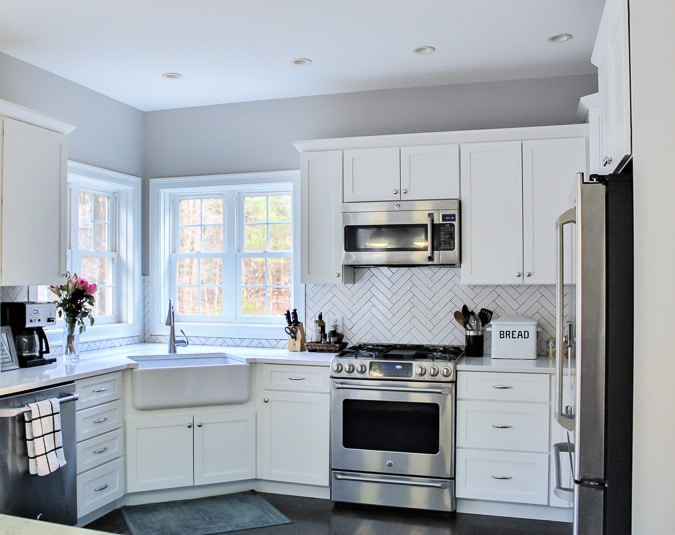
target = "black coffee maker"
x: 27, y: 321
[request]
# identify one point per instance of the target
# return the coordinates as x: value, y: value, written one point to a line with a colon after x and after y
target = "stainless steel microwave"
x: 401, y: 233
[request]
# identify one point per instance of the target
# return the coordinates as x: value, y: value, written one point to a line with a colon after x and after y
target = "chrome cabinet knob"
x: 189, y: 426
x: 266, y: 400
x: 337, y: 275
x: 528, y: 274
x: 518, y: 274
x: 405, y: 192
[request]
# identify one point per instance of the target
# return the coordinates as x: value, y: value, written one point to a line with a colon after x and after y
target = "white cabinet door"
x: 491, y: 194
x: 611, y: 56
x: 32, y: 180
x: 159, y: 452
x: 550, y: 167
x: 430, y: 172
x: 224, y: 447
x: 294, y: 438
x: 372, y: 174
x: 321, y: 223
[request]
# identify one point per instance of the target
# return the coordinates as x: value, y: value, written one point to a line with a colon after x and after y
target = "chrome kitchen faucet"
x: 171, y: 322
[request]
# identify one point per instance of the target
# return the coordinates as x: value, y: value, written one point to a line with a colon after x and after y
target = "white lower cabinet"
x: 100, y: 442
x: 169, y: 449
x: 294, y: 424
x: 503, y: 437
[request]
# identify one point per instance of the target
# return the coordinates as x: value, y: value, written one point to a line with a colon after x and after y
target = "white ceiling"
x: 242, y: 50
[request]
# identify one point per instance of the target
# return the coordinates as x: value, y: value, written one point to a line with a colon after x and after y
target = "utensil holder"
x: 474, y: 343
x: 299, y: 343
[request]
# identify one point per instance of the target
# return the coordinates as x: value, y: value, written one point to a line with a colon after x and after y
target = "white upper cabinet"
x: 405, y: 173
x: 512, y: 192
x: 321, y: 219
x: 611, y: 57
x: 33, y: 182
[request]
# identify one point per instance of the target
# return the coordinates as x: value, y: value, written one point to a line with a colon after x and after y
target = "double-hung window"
x: 222, y: 248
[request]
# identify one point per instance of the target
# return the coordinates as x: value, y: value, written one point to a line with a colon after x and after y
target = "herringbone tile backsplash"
x: 416, y: 305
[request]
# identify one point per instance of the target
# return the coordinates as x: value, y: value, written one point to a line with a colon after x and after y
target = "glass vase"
x: 71, y: 343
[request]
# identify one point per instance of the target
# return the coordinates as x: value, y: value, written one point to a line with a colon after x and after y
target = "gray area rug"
x: 203, y: 516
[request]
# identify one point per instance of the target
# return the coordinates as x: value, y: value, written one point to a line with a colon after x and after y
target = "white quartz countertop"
x: 13, y: 525
x: 111, y: 360
x: 487, y: 364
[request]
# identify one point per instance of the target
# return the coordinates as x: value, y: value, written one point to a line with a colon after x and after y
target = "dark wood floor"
x: 322, y: 517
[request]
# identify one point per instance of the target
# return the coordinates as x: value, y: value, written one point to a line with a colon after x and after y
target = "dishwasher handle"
x: 11, y: 413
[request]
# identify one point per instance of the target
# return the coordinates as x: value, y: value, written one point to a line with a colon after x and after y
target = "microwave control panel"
x: 445, y: 232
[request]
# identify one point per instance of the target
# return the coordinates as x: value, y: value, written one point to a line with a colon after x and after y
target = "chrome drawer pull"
x: 101, y: 420
x: 502, y: 387
x: 99, y: 390
x: 102, y: 450
x: 502, y: 426
x: 502, y: 477
x: 99, y: 489
x: 297, y: 378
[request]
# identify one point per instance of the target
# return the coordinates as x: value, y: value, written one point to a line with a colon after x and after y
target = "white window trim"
x: 160, y: 190
x: 129, y: 225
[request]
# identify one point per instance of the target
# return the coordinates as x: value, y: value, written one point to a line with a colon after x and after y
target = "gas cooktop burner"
x: 402, y: 352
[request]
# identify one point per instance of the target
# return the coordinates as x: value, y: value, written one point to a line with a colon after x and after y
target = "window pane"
x: 101, y: 203
x: 212, y: 211
x: 212, y: 238
x: 212, y: 272
x: 189, y: 239
x: 280, y: 208
x: 280, y: 237
x: 279, y: 301
x: 255, y: 238
x: 84, y: 235
x: 187, y: 300
x: 189, y: 212
x: 253, y: 301
x: 101, y: 237
x: 212, y: 301
x: 84, y: 207
x: 253, y: 271
x: 255, y: 209
x: 187, y: 271
x: 279, y: 271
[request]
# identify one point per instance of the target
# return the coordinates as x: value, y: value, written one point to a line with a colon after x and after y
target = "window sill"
x: 223, y: 330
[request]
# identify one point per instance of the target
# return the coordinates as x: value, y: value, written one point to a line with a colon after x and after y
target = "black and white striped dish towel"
x: 43, y: 437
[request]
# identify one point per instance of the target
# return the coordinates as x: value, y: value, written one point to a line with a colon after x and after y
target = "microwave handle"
x: 430, y: 234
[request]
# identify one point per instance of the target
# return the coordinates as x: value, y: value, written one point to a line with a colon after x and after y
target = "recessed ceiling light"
x: 172, y: 75
x: 424, y: 50
x: 302, y: 61
x: 560, y: 38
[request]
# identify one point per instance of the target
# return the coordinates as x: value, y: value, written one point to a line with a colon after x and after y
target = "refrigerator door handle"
x: 563, y: 417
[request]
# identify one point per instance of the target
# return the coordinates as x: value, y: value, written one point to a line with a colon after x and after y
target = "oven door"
x: 391, y: 427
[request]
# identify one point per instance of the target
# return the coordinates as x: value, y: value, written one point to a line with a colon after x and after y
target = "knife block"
x: 299, y: 343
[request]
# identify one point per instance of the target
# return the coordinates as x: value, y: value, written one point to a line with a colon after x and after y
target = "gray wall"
x: 258, y: 136
x: 108, y: 134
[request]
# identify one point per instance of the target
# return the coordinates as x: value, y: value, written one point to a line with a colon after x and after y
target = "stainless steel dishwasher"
x: 53, y: 497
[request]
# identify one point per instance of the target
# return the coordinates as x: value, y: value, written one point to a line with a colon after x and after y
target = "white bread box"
x: 514, y: 337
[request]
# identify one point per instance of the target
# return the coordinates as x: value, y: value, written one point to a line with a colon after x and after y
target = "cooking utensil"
x: 294, y: 317
x: 485, y: 316
x: 466, y: 314
x: 287, y: 315
x: 292, y: 332
x: 459, y: 318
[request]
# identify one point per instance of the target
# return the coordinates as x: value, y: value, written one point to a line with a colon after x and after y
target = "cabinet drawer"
x: 296, y: 378
x: 99, y: 389
x: 503, y: 426
x: 503, y: 386
x: 99, y: 450
x: 100, y: 486
x: 98, y: 420
x: 502, y: 476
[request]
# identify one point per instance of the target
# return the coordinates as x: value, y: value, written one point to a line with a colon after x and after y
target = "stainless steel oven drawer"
x: 394, y: 491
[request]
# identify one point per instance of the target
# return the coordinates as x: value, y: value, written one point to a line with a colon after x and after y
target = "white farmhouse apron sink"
x: 193, y: 380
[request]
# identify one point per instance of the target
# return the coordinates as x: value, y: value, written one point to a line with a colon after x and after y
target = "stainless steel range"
x: 393, y: 425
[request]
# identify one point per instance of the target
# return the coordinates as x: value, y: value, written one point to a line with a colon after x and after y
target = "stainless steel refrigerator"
x: 594, y: 369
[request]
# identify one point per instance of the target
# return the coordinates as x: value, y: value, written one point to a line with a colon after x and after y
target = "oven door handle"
x: 442, y: 391
x: 390, y: 481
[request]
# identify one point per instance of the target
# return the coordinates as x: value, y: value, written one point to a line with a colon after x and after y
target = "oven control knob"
x: 361, y: 368
x: 337, y: 367
x: 447, y: 372
x: 433, y: 371
x: 420, y: 370
x: 349, y: 368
